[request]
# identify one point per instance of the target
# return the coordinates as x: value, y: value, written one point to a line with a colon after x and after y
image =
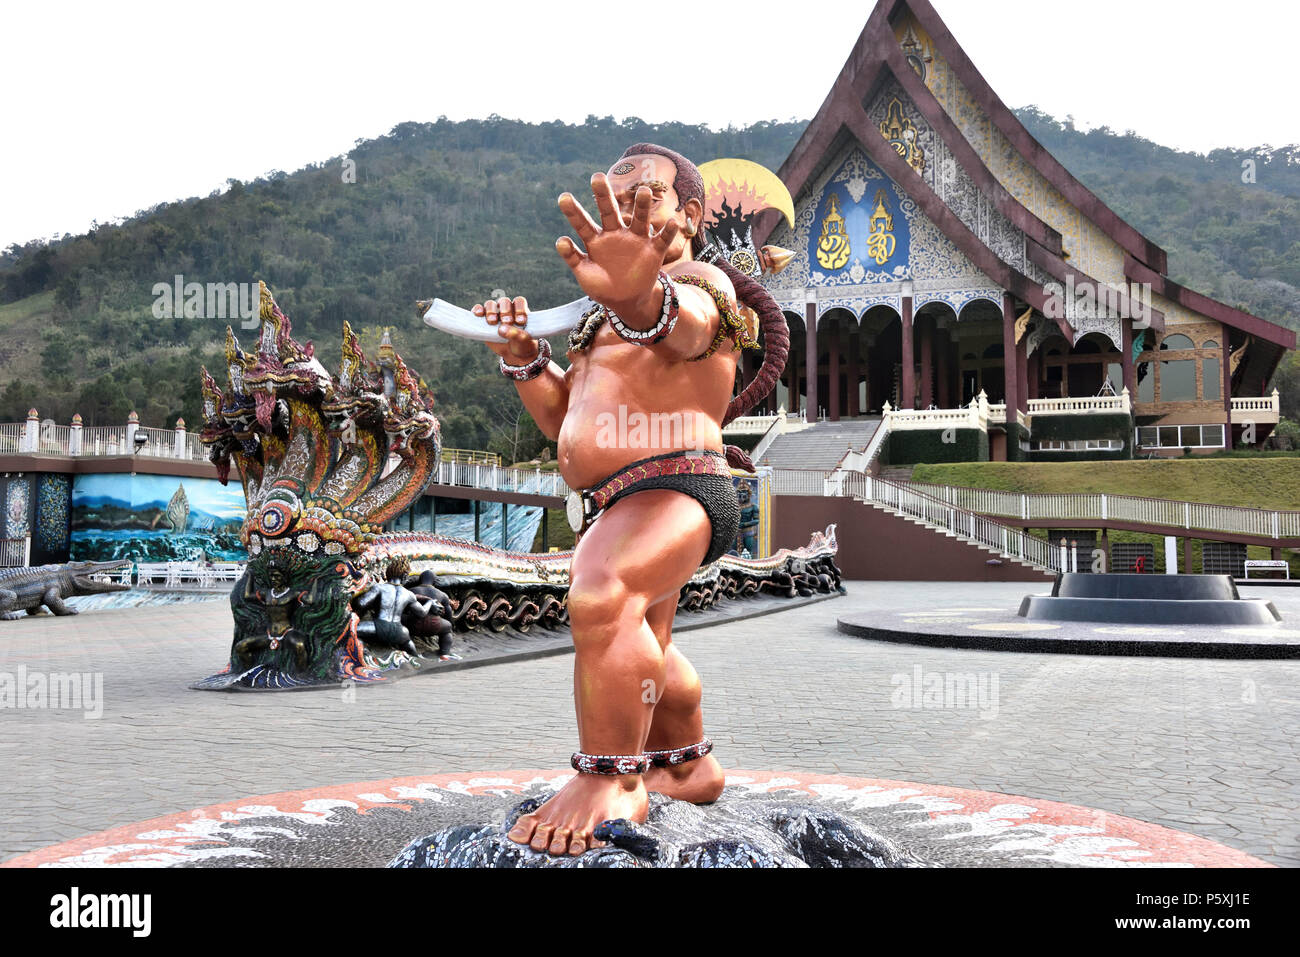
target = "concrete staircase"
x: 820, y: 446
x: 990, y: 553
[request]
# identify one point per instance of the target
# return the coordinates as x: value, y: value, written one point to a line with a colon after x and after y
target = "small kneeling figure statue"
x: 389, y: 600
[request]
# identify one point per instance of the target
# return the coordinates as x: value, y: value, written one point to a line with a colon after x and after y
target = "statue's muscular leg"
x: 679, y: 720
x: 639, y: 553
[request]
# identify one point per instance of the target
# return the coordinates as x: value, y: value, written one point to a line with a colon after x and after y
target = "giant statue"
x: 662, y: 339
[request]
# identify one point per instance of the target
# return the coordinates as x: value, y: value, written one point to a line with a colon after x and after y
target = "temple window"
x: 1178, y: 380
x: 1211, y: 380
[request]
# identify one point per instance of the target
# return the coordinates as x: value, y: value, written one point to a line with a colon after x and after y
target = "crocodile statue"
x: 27, y: 589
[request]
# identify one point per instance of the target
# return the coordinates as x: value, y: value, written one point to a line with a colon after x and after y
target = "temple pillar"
x: 1130, y: 367
x: 941, y: 368
x: 1010, y: 374
x: 810, y: 361
x: 927, y: 357
x: 791, y: 374
x: 1226, y: 363
x: 1032, y: 373
x: 1022, y: 374
x: 833, y: 372
x: 908, y: 398
x: 954, y: 371
x: 855, y: 350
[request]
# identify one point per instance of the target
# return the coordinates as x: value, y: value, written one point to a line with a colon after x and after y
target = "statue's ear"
x: 694, y: 210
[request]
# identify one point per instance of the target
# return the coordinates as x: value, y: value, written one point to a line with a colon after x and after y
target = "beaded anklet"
x: 609, y: 763
x: 675, y: 756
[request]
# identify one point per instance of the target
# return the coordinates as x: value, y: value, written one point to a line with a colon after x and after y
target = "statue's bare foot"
x: 563, y: 825
x: 699, y: 781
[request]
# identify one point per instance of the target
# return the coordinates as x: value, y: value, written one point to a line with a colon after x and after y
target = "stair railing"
x: 937, y: 513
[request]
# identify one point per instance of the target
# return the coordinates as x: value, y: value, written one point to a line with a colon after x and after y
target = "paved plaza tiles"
x: 1202, y: 746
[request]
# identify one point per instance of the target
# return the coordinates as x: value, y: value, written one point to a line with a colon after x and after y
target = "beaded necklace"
x: 730, y: 324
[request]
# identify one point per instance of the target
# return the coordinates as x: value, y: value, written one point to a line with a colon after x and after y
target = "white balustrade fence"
x: 1192, y: 516
x: 75, y: 440
x: 499, y: 479
x: 934, y: 511
x: 13, y: 437
x: 15, y: 552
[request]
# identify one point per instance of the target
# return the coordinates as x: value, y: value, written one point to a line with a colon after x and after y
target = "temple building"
x: 951, y: 274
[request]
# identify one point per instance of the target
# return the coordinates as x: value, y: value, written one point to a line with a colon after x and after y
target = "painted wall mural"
x: 522, y: 522
x: 754, y: 494
x: 53, y: 503
x: 858, y: 237
x: 17, y: 508
x: 155, y: 518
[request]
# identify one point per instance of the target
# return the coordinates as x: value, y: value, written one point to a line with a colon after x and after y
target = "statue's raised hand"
x: 622, y: 258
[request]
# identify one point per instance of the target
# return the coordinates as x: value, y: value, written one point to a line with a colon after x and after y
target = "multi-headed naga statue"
x: 325, y: 463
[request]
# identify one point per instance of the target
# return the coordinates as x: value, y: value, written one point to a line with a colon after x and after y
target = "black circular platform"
x: 1148, y: 600
x: 1172, y: 616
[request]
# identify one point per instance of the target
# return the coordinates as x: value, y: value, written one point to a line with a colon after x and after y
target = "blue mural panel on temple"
x: 860, y: 226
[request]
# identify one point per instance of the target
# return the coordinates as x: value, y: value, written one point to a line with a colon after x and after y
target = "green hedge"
x: 1074, y: 428
x: 927, y: 445
x: 1016, y: 433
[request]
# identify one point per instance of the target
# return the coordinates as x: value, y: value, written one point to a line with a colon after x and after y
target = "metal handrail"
x: 1198, y: 516
x: 964, y: 523
x: 1010, y: 542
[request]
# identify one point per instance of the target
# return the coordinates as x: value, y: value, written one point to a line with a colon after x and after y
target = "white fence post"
x: 31, y: 434
x: 132, y: 423
x: 178, y: 447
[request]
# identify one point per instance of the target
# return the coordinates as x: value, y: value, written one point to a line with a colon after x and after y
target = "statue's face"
x: 277, y: 578
x: 657, y: 172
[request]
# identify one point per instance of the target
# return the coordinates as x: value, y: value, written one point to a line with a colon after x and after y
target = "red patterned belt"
x: 584, y: 506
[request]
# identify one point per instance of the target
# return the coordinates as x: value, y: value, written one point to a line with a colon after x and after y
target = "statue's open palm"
x: 622, y: 259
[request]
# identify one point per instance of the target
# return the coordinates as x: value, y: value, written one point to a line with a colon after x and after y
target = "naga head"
x: 84, y: 584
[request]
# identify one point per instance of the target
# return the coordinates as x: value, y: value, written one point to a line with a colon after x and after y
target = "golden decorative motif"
x: 1022, y: 325
x: 880, y: 241
x: 901, y: 133
x: 1238, y: 354
x: 833, y: 246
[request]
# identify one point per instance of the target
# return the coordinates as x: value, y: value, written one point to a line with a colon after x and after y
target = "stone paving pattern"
x: 1205, y: 746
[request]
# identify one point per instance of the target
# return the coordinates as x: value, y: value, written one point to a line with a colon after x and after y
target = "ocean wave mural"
x: 155, y: 518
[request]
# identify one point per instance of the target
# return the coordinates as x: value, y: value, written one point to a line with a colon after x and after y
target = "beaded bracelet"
x: 609, y: 763
x: 533, y: 369
x: 661, y: 329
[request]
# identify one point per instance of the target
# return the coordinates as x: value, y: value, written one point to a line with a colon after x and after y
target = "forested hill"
x: 459, y: 209
x: 454, y: 210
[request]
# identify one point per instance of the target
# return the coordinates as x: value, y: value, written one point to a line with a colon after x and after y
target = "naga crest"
x: 324, y: 462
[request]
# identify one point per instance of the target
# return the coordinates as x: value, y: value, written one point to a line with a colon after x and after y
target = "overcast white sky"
x: 113, y: 107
